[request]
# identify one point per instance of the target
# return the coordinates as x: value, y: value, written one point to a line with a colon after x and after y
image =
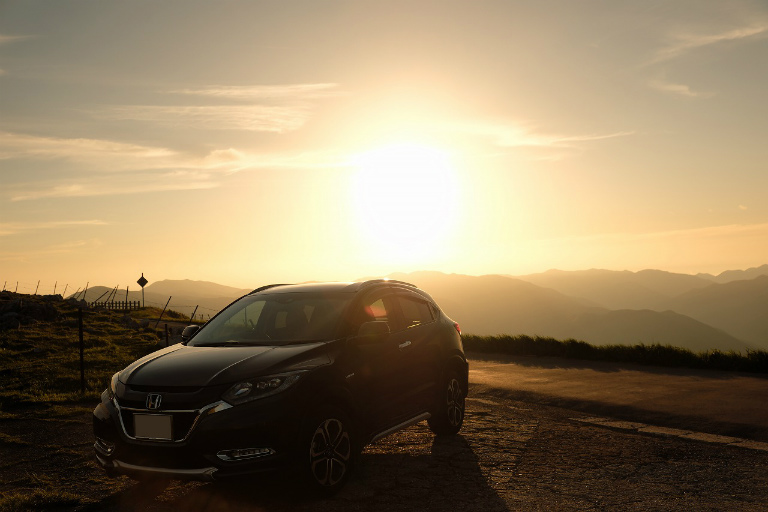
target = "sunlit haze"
x: 247, y: 142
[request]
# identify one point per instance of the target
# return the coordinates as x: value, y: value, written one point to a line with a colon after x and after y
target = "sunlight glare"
x: 406, y: 199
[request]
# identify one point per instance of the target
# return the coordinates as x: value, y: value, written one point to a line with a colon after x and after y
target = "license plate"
x: 153, y: 426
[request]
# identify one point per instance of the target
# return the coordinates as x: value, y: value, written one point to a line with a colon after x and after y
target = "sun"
x: 406, y: 200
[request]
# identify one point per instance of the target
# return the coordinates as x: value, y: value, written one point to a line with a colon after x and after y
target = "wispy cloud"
x: 72, y: 246
x: 262, y: 108
x: 117, y: 155
x: 11, y: 228
x: 115, y: 185
x: 262, y: 118
x: 679, y: 89
x: 265, y: 92
x: 512, y: 135
x: 684, y: 43
x: 107, y: 167
x: 709, y: 232
x: 11, y: 39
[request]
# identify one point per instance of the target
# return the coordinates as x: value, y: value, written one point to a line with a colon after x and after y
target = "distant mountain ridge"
x: 597, y: 306
x: 490, y: 305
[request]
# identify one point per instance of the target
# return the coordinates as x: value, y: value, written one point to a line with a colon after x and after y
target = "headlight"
x: 259, y: 388
x: 112, y: 391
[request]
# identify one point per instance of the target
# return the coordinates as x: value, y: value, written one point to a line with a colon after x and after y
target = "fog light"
x: 244, y: 453
x: 104, y: 446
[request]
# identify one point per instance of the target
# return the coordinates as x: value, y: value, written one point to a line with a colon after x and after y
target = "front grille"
x: 182, y: 422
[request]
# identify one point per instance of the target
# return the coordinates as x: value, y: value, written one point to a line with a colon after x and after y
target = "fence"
x: 106, y: 300
x: 118, y: 305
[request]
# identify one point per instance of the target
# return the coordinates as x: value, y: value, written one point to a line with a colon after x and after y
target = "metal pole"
x: 126, y: 300
x: 37, y: 287
x: 65, y: 290
x: 163, y: 312
x: 17, y: 287
x: 86, y: 289
x: 82, y: 363
x: 54, y: 287
x: 193, y: 313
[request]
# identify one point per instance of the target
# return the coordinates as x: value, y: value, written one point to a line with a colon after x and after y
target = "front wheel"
x: 329, y: 450
x: 448, y: 413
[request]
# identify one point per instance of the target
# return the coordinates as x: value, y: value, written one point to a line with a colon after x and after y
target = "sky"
x: 250, y: 142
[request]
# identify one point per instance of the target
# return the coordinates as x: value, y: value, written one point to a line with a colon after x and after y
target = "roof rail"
x: 385, y: 280
x: 262, y: 288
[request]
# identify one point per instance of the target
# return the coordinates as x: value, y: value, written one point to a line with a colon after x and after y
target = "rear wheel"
x: 448, y: 413
x: 328, y: 450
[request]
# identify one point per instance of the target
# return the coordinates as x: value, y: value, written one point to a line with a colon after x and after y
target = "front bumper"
x: 222, y: 442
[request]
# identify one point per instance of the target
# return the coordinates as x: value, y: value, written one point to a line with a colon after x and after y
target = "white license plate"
x: 153, y: 426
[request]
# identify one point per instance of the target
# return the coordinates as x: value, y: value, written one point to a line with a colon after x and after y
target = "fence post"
x: 193, y: 313
x: 82, y: 362
x: 163, y: 312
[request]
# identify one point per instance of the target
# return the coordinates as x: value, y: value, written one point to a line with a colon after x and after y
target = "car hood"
x: 181, y: 365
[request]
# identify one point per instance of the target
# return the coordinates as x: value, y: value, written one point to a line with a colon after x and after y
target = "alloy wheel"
x: 330, y: 452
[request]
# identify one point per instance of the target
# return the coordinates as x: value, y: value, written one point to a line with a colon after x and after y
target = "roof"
x: 349, y: 287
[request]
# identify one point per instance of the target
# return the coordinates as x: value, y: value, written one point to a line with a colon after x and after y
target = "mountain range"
x: 699, y: 312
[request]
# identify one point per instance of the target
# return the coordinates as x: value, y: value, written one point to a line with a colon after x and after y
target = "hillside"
x: 738, y: 307
x: 490, y: 305
x: 647, y: 289
x: 737, y: 275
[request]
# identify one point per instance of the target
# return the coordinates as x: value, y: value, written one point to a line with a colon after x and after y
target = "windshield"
x: 275, y: 319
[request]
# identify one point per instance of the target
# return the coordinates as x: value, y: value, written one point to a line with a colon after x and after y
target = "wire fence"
x: 113, y: 298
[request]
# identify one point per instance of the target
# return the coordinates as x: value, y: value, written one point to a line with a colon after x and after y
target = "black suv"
x: 288, y: 376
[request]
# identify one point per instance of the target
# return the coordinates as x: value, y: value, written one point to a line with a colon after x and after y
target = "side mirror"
x: 188, y: 332
x: 372, y: 332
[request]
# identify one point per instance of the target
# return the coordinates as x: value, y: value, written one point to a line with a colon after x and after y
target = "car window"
x: 415, y: 311
x: 275, y: 319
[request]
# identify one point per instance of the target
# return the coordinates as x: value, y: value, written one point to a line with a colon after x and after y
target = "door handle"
x: 404, y: 345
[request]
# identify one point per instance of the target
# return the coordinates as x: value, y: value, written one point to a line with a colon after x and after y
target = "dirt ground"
x: 511, y: 455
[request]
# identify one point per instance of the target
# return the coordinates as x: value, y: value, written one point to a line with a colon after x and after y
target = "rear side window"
x: 415, y: 311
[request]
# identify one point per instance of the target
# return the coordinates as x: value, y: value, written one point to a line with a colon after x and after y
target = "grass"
x: 154, y: 313
x: 37, y: 500
x: 40, y: 362
x: 754, y: 361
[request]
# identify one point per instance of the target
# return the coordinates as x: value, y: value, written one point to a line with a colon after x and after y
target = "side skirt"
x: 407, y: 423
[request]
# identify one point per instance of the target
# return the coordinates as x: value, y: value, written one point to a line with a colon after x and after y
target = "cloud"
x: 10, y: 39
x: 680, y: 89
x: 265, y: 92
x: 11, y: 228
x: 512, y: 135
x: 261, y: 118
x: 111, y: 155
x: 262, y: 108
x: 116, y: 185
x: 709, y: 232
x: 72, y: 246
x: 685, y: 43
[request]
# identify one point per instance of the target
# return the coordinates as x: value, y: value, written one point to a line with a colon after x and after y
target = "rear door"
x: 379, y: 370
x: 419, y: 345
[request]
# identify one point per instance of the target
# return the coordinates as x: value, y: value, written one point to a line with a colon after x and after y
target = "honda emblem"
x: 153, y: 401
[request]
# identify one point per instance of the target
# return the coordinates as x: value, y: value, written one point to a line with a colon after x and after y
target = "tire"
x: 448, y: 413
x: 328, y: 446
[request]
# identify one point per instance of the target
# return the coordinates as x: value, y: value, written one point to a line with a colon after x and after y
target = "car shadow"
x: 403, y: 472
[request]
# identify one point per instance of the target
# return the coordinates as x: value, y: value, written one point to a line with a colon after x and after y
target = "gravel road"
x: 511, y: 455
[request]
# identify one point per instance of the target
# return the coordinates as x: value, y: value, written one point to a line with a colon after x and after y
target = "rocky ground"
x: 511, y: 455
